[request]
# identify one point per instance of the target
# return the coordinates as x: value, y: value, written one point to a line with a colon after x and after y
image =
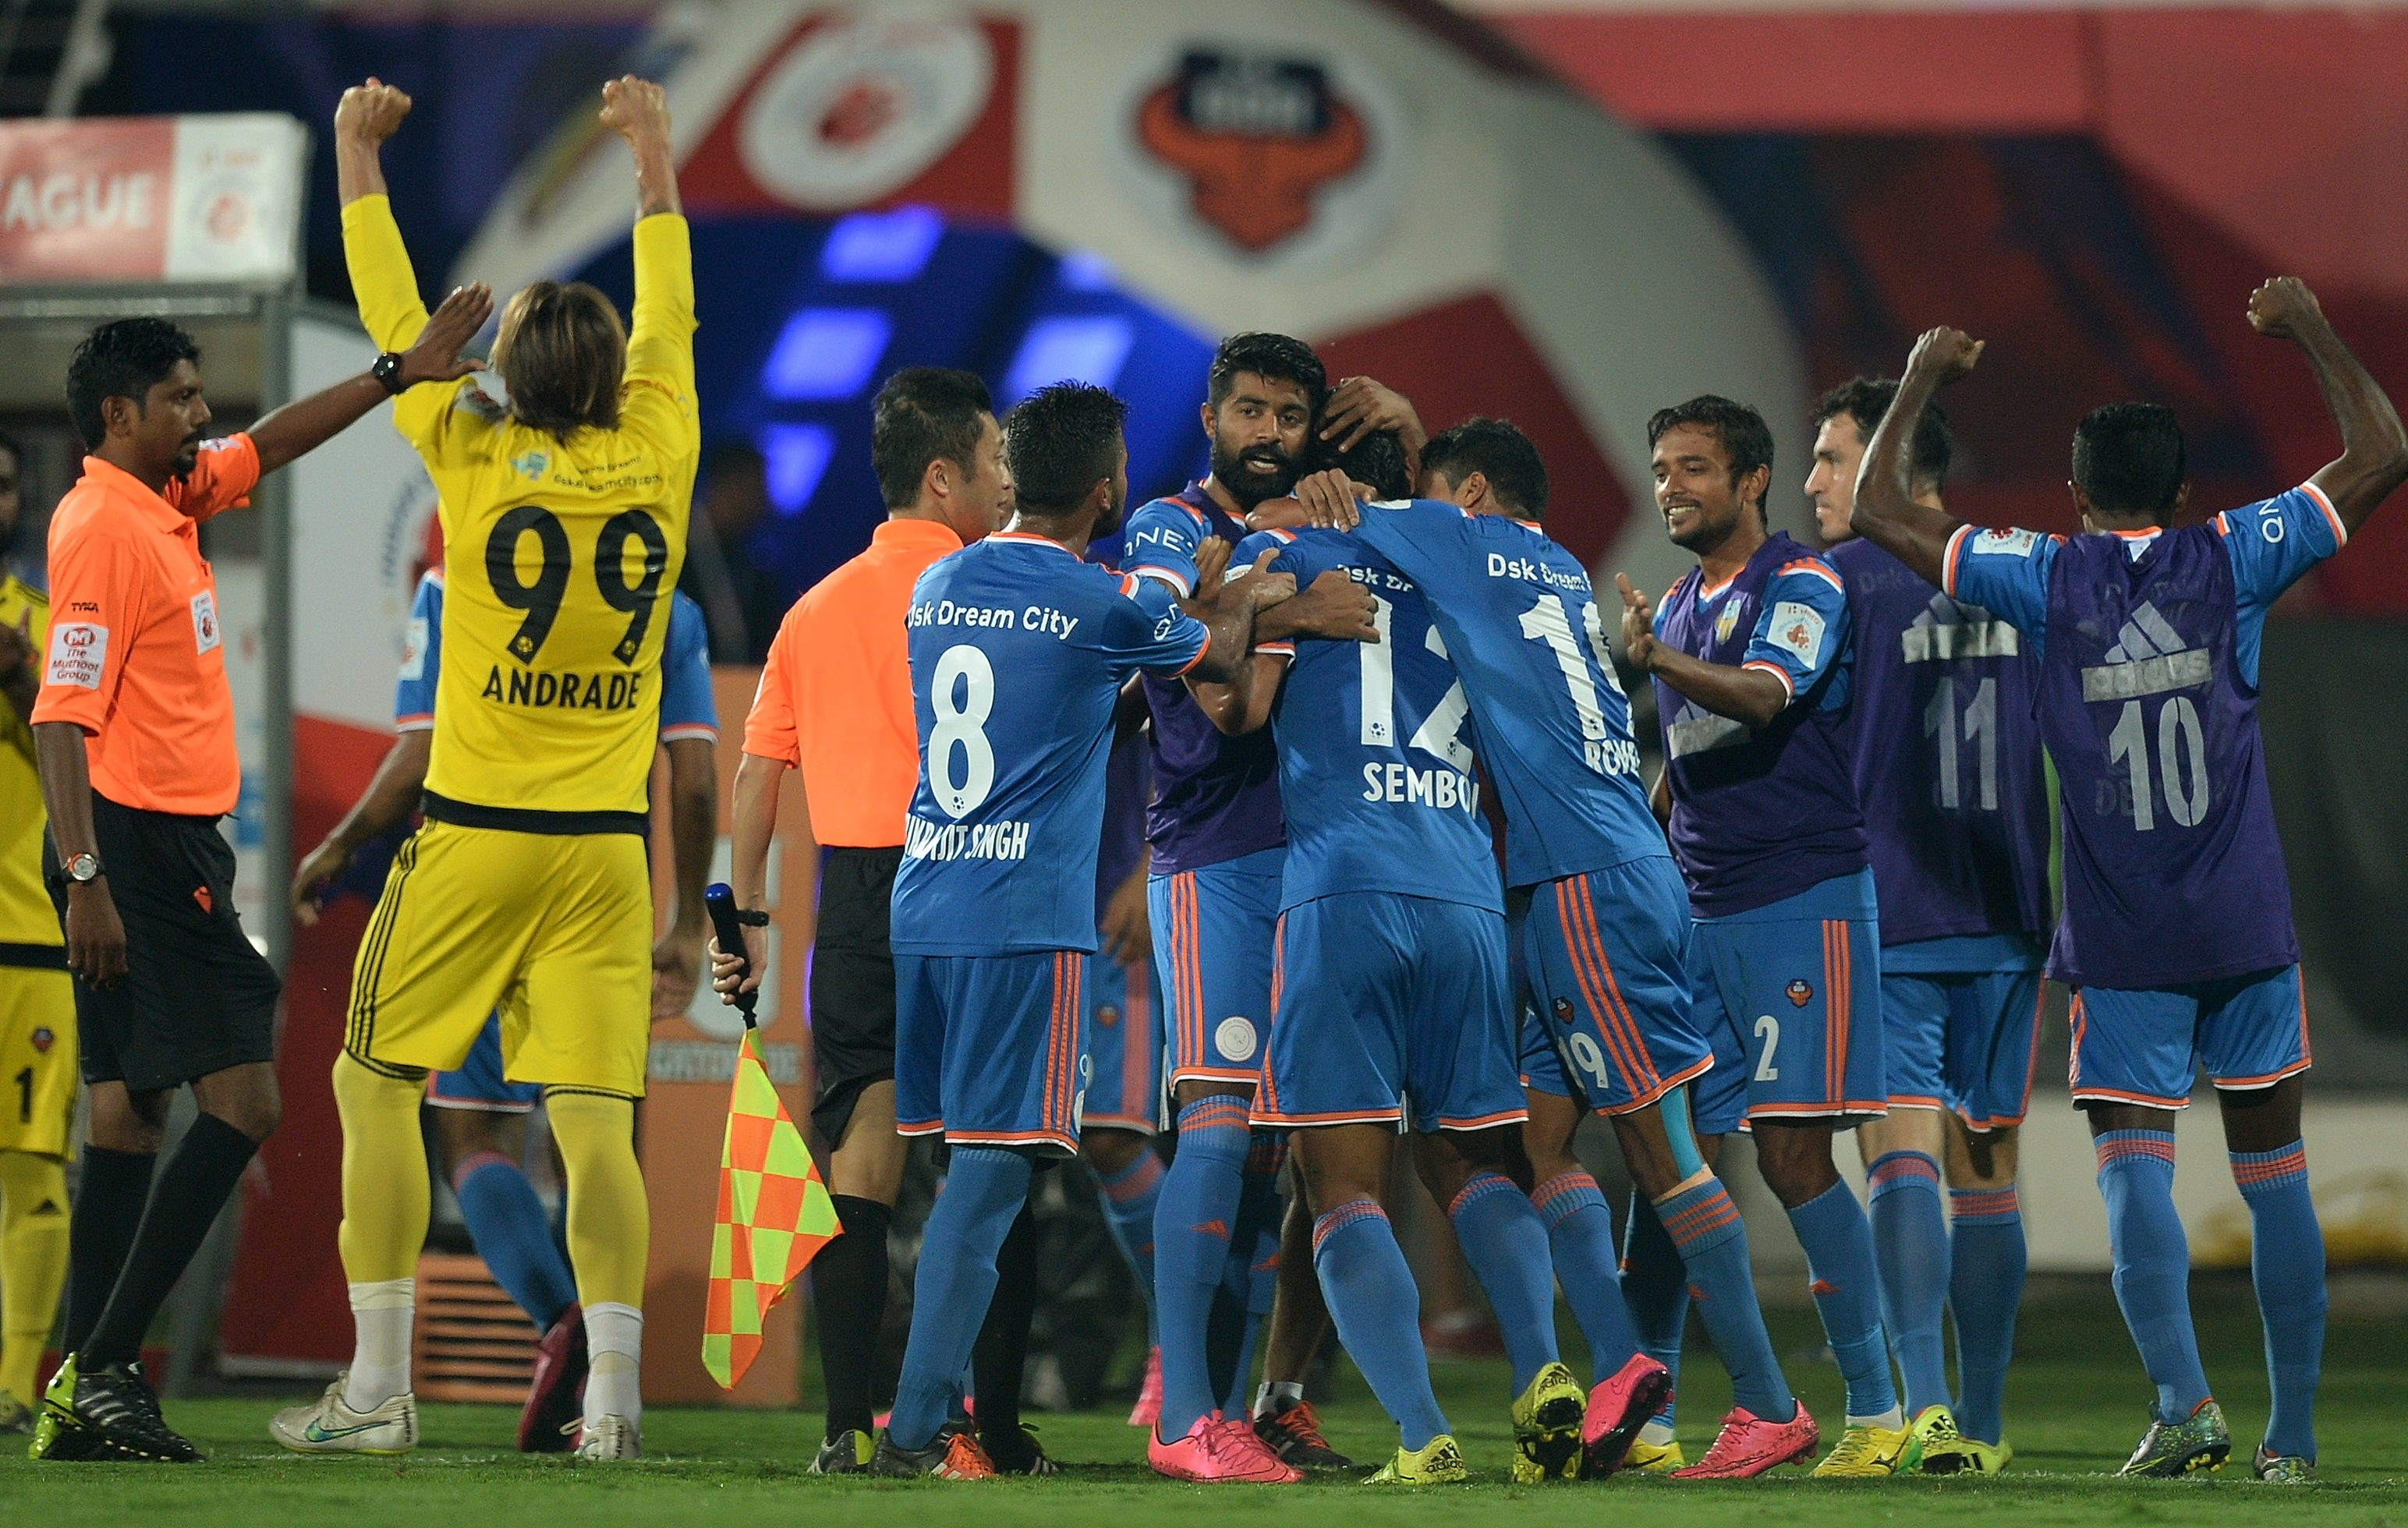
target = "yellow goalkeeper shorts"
x: 555, y: 930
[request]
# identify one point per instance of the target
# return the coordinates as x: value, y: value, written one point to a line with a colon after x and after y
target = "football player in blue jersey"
x: 1950, y: 774
x: 2177, y: 936
x: 1604, y: 940
x: 1393, y: 1007
x: 1751, y: 658
x: 1019, y: 650
x: 1217, y: 841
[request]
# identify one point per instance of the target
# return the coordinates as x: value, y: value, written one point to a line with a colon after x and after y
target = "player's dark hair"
x: 1866, y: 399
x: 1747, y: 440
x: 922, y: 414
x: 1274, y: 357
x: 1059, y: 444
x: 1376, y: 460
x: 560, y: 353
x: 1498, y: 451
x: 2127, y: 458
x: 124, y: 358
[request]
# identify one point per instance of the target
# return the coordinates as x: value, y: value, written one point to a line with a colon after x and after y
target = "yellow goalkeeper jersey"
x: 26, y: 916
x: 561, y: 555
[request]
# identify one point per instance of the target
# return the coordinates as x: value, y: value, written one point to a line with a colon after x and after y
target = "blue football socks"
x: 1655, y: 1287
x: 1986, y: 1284
x: 1705, y: 1226
x: 1250, y: 1277
x: 1506, y: 1244
x: 1580, y: 1237
x: 983, y: 1194
x: 1130, y: 1197
x: 2287, y: 1262
x: 1839, y: 1243
x: 1911, y: 1248
x: 2136, y: 1176
x: 1373, y: 1302
x: 1193, y: 1226
x: 513, y: 1234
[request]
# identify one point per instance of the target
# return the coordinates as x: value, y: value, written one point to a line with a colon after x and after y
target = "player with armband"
x: 2177, y: 934
x: 565, y: 514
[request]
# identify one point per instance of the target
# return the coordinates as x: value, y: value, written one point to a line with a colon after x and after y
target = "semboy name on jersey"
x: 1042, y: 619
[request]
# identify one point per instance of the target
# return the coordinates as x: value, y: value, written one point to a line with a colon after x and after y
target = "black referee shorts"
x: 852, y: 983
x: 196, y: 998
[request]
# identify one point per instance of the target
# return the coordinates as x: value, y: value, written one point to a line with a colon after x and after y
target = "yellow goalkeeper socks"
x: 609, y: 1222
x: 33, y: 1263
x: 384, y: 1173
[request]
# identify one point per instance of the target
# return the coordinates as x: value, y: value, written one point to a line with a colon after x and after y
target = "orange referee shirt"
x: 134, y: 656
x: 836, y: 697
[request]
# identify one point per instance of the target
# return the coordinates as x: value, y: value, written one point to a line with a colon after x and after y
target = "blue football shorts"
x: 1789, y: 996
x: 2145, y: 1045
x: 992, y: 1049
x: 1124, y: 1041
x: 1391, y: 1010
x: 1212, y: 932
x: 1607, y: 954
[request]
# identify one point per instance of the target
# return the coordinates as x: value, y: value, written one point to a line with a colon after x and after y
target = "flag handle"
x: 719, y: 900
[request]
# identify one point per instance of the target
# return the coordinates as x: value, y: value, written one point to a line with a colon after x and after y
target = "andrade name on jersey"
x: 564, y: 692
x: 926, y: 841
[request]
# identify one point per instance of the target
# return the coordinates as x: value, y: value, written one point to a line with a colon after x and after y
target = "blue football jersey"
x: 1375, y: 763
x: 1019, y: 650
x: 688, y: 709
x: 1522, y: 625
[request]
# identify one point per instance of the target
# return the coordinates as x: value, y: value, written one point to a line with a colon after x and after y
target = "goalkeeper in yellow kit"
x: 564, y: 526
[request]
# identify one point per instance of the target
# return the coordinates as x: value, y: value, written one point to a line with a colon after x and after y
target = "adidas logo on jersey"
x: 1948, y: 630
x: 2148, y: 659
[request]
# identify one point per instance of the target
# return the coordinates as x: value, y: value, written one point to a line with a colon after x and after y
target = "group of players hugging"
x: 1401, y: 881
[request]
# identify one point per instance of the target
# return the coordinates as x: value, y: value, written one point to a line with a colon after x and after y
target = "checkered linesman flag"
x: 774, y: 1217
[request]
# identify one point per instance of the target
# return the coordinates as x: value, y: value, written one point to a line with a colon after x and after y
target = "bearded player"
x: 1948, y: 769
x: 1218, y: 842
x: 566, y: 510
x: 2177, y: 934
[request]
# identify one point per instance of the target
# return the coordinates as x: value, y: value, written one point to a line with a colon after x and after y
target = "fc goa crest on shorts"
x: 1801, y: 992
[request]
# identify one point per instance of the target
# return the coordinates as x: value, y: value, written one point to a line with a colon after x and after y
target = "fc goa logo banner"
x: 1257, y: 137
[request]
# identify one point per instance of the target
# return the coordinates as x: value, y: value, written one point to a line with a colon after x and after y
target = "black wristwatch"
x: 83, y: 869
x: 387, y: 371
x: 752, y: 917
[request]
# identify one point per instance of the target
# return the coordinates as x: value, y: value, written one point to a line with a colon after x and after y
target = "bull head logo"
x: 1255, y: 137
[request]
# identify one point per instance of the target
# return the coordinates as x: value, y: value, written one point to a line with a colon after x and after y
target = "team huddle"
x: 1319, y: 823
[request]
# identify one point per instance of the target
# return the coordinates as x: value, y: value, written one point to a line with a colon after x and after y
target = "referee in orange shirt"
x: 134, y: 733
x: 836, y: 704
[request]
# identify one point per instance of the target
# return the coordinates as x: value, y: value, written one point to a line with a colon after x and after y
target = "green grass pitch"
x: 2074, y: 1407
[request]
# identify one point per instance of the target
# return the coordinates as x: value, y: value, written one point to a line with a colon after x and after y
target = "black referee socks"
x: 109, y: 1203
x: 998, y: 1363
x: 849, y: 1288
x: 184, y: 1203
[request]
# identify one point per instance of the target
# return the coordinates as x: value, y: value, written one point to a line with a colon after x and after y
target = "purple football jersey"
x: 1946, y: 756
x: 1215, y: 798
x: 2173, y: 871
x: 1762, y: 814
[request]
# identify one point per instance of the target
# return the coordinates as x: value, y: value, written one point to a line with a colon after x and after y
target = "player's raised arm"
x: 1886, y: 511
x: 382, y: 280
x: 660, y: 341
x: 2373, y: 460
x: 1227, y: 608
